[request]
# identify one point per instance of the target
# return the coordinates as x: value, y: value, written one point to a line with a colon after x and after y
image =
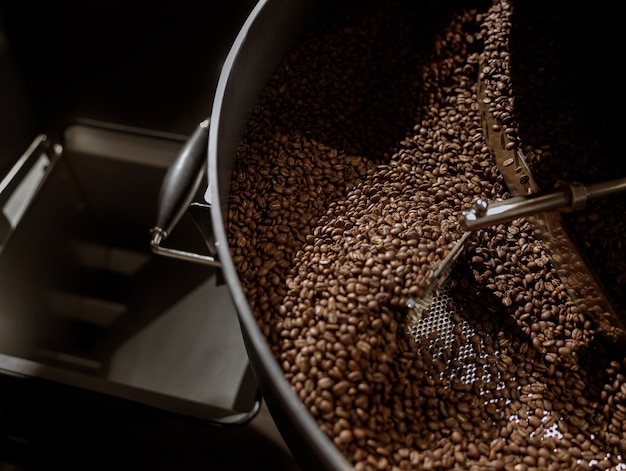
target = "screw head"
x: 480, y: 207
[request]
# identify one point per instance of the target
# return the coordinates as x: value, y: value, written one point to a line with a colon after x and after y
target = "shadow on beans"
x: 357, y: 87
x: 569, y: 102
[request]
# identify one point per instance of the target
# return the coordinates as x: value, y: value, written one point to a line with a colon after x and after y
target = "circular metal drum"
x: 345, y: 141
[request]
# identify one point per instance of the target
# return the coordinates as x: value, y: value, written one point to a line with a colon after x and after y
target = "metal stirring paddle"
x: 578, y: 280
x: 566, y: 197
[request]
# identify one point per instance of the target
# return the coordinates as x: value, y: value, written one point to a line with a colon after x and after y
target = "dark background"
x: 153, y: 65
x: 139, y: 63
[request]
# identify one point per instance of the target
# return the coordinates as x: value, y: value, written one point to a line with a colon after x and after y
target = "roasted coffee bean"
x: 365, y: 145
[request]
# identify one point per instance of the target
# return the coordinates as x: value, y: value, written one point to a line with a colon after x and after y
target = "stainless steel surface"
x: 567, y: 197
x: 182, y: 179
x: 438, y: 327
x: 268, y: 33
x: 174, y: 348
x: 77, y: 245
x: 22, y: 181
x: 157, y: 248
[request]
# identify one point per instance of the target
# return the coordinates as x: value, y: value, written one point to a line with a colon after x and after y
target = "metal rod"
x: 504, y: 211
x: 599, y: 190
x: 567, y: 197
x: 181, y: 182
x: 155, y: 246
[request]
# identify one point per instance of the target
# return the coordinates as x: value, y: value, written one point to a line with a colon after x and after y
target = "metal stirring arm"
x: 566, y: 197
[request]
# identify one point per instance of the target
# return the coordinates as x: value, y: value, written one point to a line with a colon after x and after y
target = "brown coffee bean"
x: 339, y: 212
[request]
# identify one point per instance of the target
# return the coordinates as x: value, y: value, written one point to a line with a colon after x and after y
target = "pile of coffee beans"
x: 552, y: 84
x: 365, y: 145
